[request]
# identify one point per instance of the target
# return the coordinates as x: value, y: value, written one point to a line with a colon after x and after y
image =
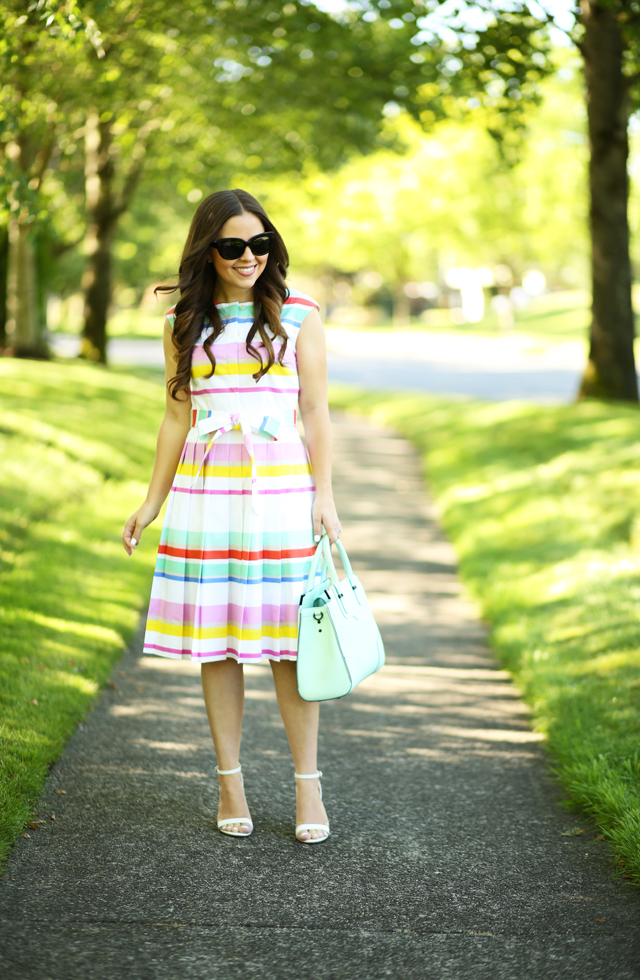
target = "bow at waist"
x: 218, y: 423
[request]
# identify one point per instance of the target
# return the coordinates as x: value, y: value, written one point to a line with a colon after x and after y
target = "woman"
x: 245, y: 506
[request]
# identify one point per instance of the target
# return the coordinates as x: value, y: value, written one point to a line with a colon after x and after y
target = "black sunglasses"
x: 233, y: 248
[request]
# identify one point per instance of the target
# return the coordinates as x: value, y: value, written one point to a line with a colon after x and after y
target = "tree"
x: 37, y: 43
x: 410, y: 217
x: 301, y: 85
x: 502, y: 51
x: 263, y: 91
x: 4, y: 264
x: 610, y: 44
x: 177, y: 80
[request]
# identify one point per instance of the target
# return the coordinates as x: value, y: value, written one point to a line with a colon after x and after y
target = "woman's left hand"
x: 325, y: 516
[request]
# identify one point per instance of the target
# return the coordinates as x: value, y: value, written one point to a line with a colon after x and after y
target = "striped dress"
x: 237, y: 538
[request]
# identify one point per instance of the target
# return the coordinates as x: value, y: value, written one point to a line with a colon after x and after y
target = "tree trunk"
x: 97, y: 297
x: 43, y: 278
x: 401, y: 309
x: 4, y: 268
x: 105, y: 208
x: 23, y: 327
x: 611, y: 371
x: 96, y: 282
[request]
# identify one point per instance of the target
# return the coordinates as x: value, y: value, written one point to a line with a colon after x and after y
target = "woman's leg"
x: 223, y: 689
x: 301, y: 725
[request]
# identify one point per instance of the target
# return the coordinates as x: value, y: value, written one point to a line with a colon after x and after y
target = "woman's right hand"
x: 135, y: 526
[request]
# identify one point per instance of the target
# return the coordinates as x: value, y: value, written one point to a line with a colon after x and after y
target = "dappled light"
x: 437, y: 191
x: 442, y: 813
x: 69, y: 604
x: 542, y: 509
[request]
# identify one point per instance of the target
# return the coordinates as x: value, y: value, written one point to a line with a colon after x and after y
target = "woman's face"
x: 240, y: 273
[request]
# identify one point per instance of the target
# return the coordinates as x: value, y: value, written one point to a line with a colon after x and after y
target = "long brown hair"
x: 197, y: 281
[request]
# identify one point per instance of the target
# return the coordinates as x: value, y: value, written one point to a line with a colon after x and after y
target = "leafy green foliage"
x: 492, y: 55
x: 28, y: 108
x: 187, y: 94
x: 541, y: 505
x: 409, y: 216
x: 318, y: 83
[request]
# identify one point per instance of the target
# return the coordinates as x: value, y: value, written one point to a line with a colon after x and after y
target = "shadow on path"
x: 449, y: 856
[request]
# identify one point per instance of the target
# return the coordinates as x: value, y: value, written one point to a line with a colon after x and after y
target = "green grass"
x: 555, y: 317
x: 76, y: 449
x: 543, y: 506
x: 128, y: 323
x: 139, y: 325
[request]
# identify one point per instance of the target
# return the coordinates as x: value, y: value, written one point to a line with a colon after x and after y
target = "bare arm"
x: 173, y: 432
x: 312, y: 371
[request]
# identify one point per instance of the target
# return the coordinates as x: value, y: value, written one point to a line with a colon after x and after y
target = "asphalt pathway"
x: 449, y: 858
x: 492, y: 370
x: 538, y: 384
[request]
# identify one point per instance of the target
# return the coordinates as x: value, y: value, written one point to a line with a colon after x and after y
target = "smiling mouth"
x: 246, y: 270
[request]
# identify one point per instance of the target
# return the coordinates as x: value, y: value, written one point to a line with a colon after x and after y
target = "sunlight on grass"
x: 135, y: 323
x: 77, y: 444
x: 128, y: 322
x: 541, y: 505
x: 556, y: 317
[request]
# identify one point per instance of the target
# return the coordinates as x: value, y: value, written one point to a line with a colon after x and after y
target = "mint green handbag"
x: 339, y: 643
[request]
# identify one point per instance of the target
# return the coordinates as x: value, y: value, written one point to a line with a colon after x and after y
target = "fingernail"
x: 316, y: 537
x: 133, y: 542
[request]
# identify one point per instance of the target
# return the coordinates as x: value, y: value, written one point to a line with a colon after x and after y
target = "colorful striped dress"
x: 237, y: 538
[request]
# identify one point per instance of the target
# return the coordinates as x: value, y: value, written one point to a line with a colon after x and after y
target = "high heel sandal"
x: 312, y: 826
x: 229, y: 820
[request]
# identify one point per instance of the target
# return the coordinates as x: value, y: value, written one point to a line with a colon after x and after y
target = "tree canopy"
x: 95, y: 95
x: 163, y: 89
x: 501, y: 48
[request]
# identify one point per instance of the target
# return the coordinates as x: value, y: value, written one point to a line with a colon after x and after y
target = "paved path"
x: 494, y: 368
x: 449, y: 857
x: 543, y: 386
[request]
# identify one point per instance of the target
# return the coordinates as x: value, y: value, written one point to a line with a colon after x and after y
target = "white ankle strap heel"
x: 228, y: 772
x: 244, y: 821
x: 312, y: 826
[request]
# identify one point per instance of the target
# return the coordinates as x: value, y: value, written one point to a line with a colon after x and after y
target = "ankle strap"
x: 308, y: 775
x: 228, y: 772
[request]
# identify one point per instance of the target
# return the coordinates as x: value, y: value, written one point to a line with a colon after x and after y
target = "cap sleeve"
x: 295, y: 309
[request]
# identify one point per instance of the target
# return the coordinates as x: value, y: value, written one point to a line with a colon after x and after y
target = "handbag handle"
x: 317, y: 559
x: 346, y: 564
x: 323, y: 554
